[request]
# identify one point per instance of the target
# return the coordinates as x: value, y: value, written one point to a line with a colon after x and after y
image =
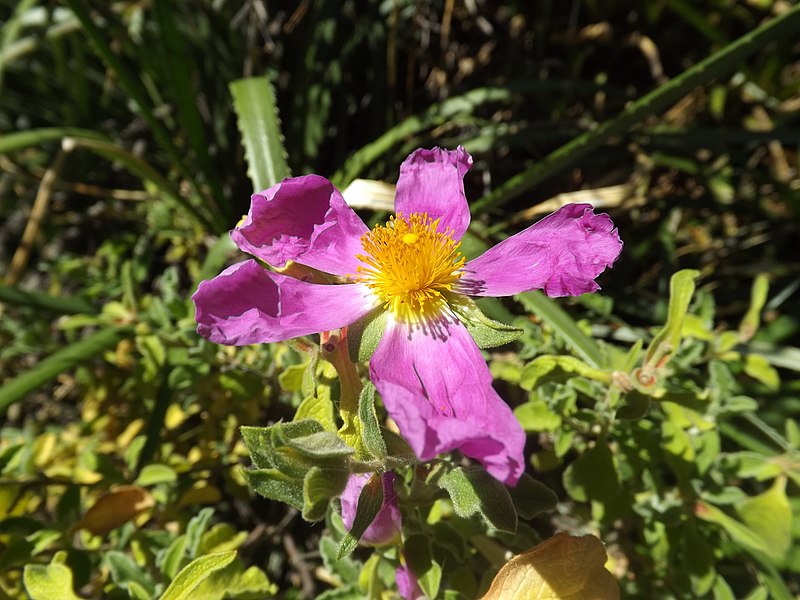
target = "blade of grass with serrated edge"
x: 717, y: 65
x: 133, y: 87
x: 60, y: 361
x: 260, y: 126
x: 563, y: 324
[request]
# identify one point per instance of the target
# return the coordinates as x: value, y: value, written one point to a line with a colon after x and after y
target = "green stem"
x: 334, y: 349
x: 717, y: 65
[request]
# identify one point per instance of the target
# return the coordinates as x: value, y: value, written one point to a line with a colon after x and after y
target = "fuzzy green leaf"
x: 46, y: 582
x: 531, y: 497
x: 369, y: 504
x: 593, y: 476
x: 193, y: 574
x: 371, y: 430
x: 486, y: 332
x: 275, y: 485
x: 770, y: 516
x: 319, y: 486
x: 476, y: 493
x: 363, y: 335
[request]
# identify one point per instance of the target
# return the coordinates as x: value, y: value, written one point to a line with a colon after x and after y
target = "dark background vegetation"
x: 711, y: 184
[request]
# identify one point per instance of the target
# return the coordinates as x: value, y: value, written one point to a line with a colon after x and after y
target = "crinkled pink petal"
x: 303, y: 219
x: 407, y: 584
x: 385, y: 528
x: 432, y: 181
x: 562, y: 254
x: 248, y: 304
x: 436, y: 386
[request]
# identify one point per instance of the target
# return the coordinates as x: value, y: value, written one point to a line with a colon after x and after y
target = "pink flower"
x: 385, y: 528
x: 407, y: 584
x: 430, y: 373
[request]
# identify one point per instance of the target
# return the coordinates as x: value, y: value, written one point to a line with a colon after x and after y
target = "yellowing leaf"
x: 115, y: 509
x: 563, y: 567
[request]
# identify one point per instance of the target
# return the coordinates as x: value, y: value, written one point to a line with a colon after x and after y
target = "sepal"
x: 486, y: 332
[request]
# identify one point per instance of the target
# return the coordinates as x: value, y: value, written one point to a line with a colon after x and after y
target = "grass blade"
x: 61, y: 360
x: 717, y: 65
x: 19, y: 140
x: 260, y: 126
x: 559, y: 320
x: 62, y: 306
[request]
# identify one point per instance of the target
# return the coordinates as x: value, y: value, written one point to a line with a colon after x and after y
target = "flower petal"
x: 247, y: 304
x: 432, y: 181
x: 407, y: 584
x: 436, y: 386
x: 562, y: 254
x: 304, y: 219
x: 386, y: 527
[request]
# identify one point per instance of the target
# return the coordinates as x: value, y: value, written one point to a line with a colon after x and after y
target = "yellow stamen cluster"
x: 409, y: 265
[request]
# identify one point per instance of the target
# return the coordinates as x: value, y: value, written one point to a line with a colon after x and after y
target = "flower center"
x: 409, y: 265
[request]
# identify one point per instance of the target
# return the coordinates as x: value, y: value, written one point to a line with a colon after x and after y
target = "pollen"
x: 410, y: 265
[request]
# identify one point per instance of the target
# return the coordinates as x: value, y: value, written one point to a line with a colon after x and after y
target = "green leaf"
x: 636, y: 405
x: 10, y: 30
x: 476, y: 493
x: 170, y: 559
x: 544, y: 365
x: 486, y: 332
x: 537, y: 416
x: 371, y: 429
x: 234, y: 582
x: 740, y: 533
x: 322, y: 445
x: 264, y: 443
x: 259, y: 124
x: 193, y: 574
x: 417, y: 551
x: 363, y: 335
x: 275, y: 485
x: 154, y: 474
x: 681, y: 289
x: 593, y: 476
x: 319, y: 486
x: 60, y: 361
x: 46, y: 582
x: 552, y: 314
x: 317, y: 407
x: 196, y: 528
x: 369, y: 504
x: 770, y: 516
x: 125, y: 571
x: 531, y: 497
x: 758, y: 298
x: 757, y: 367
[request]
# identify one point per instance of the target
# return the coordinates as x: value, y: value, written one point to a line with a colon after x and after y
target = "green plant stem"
x: 717, y: 65
x: 334, y: 349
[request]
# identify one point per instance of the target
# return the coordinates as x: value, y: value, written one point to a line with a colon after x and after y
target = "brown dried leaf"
x: 114, y: 509
x: 563, y: 567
